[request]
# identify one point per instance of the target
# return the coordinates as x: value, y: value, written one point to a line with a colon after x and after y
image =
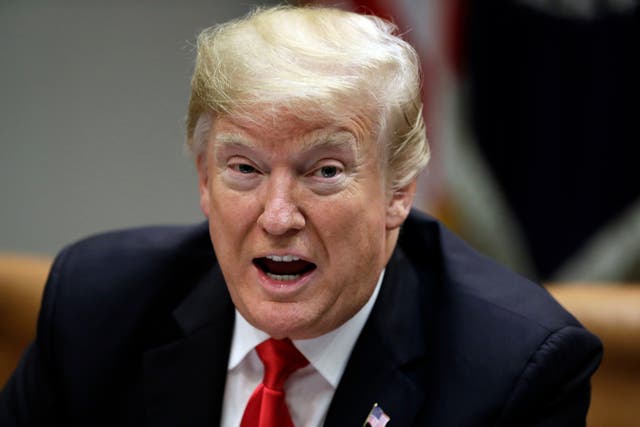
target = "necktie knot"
x: 267, y: 406
x: 280, y: 359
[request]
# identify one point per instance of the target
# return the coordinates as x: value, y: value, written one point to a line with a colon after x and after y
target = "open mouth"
x: 284, y: 268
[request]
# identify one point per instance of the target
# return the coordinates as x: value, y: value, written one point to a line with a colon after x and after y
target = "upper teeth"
x: 284, y: 258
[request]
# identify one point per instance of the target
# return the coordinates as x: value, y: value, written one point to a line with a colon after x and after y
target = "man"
x: 306, y: 125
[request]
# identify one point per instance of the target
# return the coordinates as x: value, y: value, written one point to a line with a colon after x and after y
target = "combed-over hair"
x: 314, y: 63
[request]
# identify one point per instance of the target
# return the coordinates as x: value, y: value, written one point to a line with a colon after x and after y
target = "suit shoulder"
x: 146, y: 238
x: 112, y: 295
x: 476, y: 280
x: 495, y: 339
x: 127, y: 272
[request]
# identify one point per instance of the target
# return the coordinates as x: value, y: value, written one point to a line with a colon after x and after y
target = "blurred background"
x: 531, y: 109
x: 93, y: 96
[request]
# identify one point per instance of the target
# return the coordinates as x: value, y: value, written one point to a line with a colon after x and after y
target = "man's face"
x: 300, y: 220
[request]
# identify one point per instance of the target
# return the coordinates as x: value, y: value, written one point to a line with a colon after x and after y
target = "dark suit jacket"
x: 135, y: 328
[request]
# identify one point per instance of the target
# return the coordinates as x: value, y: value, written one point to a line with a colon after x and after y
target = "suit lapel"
x: 388, y: 355
x: 184, y: 380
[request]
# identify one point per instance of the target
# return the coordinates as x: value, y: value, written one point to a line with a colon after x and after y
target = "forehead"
x: 286, y: 129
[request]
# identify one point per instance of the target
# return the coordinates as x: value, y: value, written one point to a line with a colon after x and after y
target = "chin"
x: 284, y: 320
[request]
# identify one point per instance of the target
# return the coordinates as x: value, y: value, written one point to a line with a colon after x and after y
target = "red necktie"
x: 266, y: 407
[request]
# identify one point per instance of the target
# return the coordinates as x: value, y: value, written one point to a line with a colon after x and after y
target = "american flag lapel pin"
x: 376, y: 418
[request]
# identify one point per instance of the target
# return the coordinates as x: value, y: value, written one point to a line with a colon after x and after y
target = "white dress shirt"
x: 309, y: 390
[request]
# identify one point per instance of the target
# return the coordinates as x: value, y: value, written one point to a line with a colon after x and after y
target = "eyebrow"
x: 340, y: 139
x: 222, y: 139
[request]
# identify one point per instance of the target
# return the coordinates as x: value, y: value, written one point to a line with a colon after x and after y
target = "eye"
x: 328, y: 171
x: 328, y: 176
x: 243, y: 168
x: 240, y: 173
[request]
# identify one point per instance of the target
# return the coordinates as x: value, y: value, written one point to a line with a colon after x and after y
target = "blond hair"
x: 315, y: 63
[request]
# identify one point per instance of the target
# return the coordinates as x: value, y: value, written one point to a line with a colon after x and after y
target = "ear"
x: 399, y: 205
x: 203, y: 183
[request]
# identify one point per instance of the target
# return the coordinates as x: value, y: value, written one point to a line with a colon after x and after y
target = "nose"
x: 281, y: 213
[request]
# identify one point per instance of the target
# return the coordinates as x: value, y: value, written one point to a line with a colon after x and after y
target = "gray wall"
x: 93, y: 96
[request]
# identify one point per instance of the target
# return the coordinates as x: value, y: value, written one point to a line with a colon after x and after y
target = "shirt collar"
x: 328, y: 353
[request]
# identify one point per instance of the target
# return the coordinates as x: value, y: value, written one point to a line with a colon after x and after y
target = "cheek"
x: 228, y: 203
x: 356, y: 257
x: 232, y: 216
x: 354, y: 235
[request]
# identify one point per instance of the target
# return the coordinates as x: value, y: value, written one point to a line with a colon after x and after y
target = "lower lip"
x: 283, y: 288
